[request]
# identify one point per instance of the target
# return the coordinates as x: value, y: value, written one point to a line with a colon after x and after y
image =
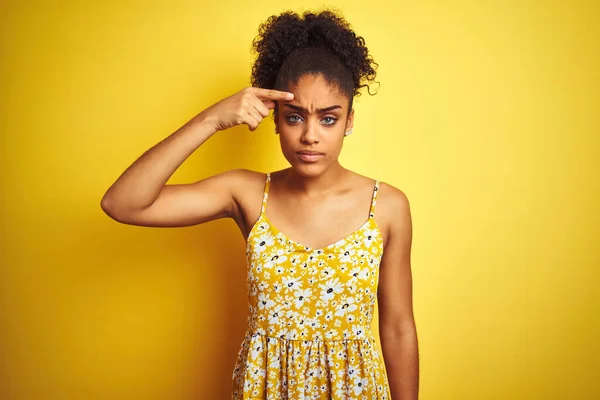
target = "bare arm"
x: 140, y: 196
x: 396, y: 321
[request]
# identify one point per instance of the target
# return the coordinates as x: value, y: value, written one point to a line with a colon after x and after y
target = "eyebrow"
x: 319, y: 110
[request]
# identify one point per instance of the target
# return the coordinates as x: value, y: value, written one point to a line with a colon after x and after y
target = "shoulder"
x: 393, y: 209
x: 243, y: 176
x: 389, y: 197
x: 394, y: 198
x: 252, y: 176
x: 245, y: 181
x: 245, y: 186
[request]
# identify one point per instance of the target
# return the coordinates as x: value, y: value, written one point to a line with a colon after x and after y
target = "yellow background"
x: 487, y: 117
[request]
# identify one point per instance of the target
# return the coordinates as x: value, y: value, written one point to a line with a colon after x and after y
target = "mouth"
x: 309, y: 156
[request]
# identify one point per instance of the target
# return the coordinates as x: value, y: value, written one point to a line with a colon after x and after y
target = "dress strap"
x: 266, y: 193
x: 374, y: 201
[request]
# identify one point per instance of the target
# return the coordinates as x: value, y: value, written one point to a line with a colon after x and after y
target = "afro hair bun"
x: 345, y: 61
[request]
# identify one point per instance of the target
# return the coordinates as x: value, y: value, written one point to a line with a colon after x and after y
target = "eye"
x: 330, y: 119
x: 291, y: 118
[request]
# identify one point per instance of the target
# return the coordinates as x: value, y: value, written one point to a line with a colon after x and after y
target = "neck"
x: 317, y: 185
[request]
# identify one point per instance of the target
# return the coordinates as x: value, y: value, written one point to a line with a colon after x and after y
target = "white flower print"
x: 276, y: 259
x: 291, y: 283
x: 258, y: 373
x: 282, y: 332
x: 369, y: 237
x: 293, y: 334
x: 301, y: 296
x: 361, y: 253
x: 364, y: 273
x: 291, y: 316
x: 328, y: 317
x: 348, y: 306
x: 264, y: 301
x: 256, y: 351
x: 331, y: 288
x: 263, y: 241
x: 327, y: 271
x: 359, y: 385
x: 330, y: 334
x: 274, y: 318
x: 358, y: 330
x: 348, y: 254
x: 354, y: 273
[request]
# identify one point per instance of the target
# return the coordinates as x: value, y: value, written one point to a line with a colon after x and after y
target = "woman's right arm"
x: 140, y: 196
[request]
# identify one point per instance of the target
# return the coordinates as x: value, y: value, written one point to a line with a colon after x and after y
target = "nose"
x: 311, y: 132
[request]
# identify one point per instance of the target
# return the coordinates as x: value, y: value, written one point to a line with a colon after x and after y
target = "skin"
x: 314, y: 204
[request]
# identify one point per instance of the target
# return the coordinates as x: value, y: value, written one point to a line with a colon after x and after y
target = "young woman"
x: 323, y: 242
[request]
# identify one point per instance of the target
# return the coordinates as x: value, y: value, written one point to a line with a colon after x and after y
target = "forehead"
x: 313, y: 91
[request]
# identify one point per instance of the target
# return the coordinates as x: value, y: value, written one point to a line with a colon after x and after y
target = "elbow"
x: 121, y: 212
x: 398, y: 334
x: 108, y: 206
x: 401, y: 328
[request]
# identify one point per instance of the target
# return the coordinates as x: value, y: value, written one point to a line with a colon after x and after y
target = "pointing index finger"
x: 272, y: 94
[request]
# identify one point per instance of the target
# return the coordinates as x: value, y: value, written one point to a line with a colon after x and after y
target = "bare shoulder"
x: 247, y: 183
x: 393, y: 210
x: 394, y: 197
x: 390, y: 199
x: 245, y: 177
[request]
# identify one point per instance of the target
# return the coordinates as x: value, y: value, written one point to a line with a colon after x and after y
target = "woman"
x: 311, y: 293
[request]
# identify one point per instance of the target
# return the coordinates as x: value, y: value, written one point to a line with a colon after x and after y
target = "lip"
x: 309, y: 157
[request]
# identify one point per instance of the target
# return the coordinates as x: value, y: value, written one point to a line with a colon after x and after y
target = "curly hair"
x: 290, y: 46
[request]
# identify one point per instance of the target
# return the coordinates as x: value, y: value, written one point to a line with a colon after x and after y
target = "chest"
x: 316, y: 226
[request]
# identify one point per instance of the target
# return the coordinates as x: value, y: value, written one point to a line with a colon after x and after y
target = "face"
x: 314, y: 121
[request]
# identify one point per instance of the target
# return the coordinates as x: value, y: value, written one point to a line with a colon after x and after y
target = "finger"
x: 254, y: 113
x: 269, y: 104
x: 261, y: 108
x: 272, y: 94
x: 251, y: 122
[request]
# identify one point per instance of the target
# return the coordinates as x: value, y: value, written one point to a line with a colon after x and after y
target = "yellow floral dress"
x: 310, y: 311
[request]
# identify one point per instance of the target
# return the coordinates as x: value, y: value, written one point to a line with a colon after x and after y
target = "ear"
x: 350, y: 120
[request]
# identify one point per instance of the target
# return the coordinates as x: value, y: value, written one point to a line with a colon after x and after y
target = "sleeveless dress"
x: 310, y: 311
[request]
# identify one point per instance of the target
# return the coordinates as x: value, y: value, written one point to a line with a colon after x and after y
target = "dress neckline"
x: 322, y: 249
x: 278, y: 232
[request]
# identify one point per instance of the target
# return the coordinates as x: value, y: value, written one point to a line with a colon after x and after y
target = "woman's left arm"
x: 397, y: 328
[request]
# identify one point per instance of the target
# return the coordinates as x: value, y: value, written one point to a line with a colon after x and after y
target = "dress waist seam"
x: 361, y: 339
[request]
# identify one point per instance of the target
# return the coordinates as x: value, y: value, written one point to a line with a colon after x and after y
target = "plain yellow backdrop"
x: 487, y: 117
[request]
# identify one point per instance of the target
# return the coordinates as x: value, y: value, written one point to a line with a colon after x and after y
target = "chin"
x: 308, y: 170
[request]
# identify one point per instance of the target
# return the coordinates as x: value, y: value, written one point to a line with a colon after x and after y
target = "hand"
x: 248, y: 106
